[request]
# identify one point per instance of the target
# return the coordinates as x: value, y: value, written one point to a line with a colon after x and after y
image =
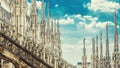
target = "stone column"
x: 48, y: 58
x: 55, y: 63
x: 50, y: 61
x: 0, y: 58
x: 44, y: 55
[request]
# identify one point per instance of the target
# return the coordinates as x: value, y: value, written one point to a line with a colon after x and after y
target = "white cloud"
x: 91, y: 24
x: 103, y: 5
x: 56, y: 5
x: 39, y: 4
x: 68, y: 20
x: 86, y: 23
x: 87, y: 27
x: 94, y: 26
x: 65, y: 15
x: 103, y: 25
x: 86, y: 17
x: 90, y: 18
x: 28, y: 3
x: 77, y: 16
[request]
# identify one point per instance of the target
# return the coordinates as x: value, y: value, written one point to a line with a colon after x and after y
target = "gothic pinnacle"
x: 97, y: 57
x: 93, y: 53
x: 48, y: 11
x: 115, y: 20
x: 101, y: 53
x: 93, y: 46
x: 48, y: 22
x: 116, y: 48
x: 58, y: 30
x: 107, y: 41
x: 84, y: 64
x: 97, y: 46
x: 107, y: 59
x: 55, y: 26
x: 42, y: 10
x: 84, y: 45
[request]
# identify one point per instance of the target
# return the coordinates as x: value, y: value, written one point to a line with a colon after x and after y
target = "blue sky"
x: 82, y: 19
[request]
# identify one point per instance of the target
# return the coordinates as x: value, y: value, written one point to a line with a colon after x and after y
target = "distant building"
x: 79, y: 65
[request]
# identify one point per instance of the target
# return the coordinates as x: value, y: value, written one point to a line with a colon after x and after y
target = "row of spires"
x: 103, y: 62
x: 43, y: 33
x: 49, y: 30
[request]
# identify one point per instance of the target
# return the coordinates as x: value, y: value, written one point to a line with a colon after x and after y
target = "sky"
x: 82, y: 19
